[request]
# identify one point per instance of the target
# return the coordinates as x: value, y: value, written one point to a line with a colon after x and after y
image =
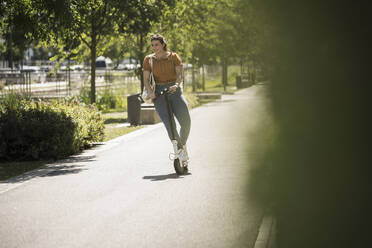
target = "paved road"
x: 126, y: 194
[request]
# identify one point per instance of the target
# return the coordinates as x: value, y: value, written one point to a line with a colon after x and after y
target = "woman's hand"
x: 151, y: 95
x: 173, y: 88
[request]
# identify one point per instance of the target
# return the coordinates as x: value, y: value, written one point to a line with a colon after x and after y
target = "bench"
x: 205, y: 97
x: 148, y: 114
x: 243, y: 81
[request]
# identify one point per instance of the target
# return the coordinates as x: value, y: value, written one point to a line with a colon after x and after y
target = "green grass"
x: 214, y: 84
x: 114, y: 116
x: 11, y: 169
x: 112, y: 132
x: 112, y: 120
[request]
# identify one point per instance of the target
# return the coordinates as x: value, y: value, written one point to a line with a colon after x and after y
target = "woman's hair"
x: 161, y: 39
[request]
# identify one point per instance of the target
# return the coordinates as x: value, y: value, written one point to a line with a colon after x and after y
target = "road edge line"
x: 265, y: 237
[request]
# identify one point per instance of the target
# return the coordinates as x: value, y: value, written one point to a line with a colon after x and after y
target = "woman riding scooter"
x: 166, y: 67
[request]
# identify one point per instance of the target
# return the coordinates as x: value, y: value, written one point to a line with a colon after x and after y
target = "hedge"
x: 32, y: 130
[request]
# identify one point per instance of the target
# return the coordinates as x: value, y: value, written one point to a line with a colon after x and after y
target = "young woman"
x: 167, y: 72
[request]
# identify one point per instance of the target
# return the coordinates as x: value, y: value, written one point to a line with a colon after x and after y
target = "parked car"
x: 31, y: 68
x: 128, y: 64
x: 77, y: 67
x: 130, y: 67
x: 46, y: 68
x: 103, y: 63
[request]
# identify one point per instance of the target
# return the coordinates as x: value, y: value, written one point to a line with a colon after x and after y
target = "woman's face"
x: 156, y: 46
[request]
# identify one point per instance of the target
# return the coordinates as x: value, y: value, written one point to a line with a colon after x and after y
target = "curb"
x: 266, y: 234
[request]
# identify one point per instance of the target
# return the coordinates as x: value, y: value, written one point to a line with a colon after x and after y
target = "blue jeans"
x: 180, y: 110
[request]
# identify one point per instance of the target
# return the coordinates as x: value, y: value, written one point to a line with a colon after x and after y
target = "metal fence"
x: 45, y: 85
x: 62, y: 84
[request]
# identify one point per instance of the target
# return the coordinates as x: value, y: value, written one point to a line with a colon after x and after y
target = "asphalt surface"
x: 126, y: 194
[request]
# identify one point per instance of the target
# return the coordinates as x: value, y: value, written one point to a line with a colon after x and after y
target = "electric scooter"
x: 180, y: 166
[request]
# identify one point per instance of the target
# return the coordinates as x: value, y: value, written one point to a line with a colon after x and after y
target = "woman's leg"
x: 162, y: 110
x: 181, y: 111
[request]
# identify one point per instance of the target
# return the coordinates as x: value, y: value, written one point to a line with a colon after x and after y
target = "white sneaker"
x: 182, y: 154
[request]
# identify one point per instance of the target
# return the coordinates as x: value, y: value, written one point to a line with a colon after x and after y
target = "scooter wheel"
x: 185, y: 168
x: 178, y: 168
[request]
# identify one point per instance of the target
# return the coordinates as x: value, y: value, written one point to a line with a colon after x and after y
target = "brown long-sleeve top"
x: 164, y: 69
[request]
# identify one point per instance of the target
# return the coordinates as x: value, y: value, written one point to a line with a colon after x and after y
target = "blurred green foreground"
x: 316, y: 174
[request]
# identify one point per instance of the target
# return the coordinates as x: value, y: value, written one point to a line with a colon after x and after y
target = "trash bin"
x: 134, y: 109
x: 239, y: 82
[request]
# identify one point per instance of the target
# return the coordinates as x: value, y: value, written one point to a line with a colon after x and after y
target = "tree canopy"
x: 201, y: 31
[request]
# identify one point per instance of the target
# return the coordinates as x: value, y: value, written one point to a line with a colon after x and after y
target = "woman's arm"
x: 179, y: 73
x: 146, y: 79
x: 179, y: 77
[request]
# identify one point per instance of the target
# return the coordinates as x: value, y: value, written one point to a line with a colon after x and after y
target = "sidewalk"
x: 125, y: 193
x: 17, y: 181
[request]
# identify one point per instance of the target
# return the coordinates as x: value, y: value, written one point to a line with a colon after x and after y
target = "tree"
x: 93, y: 21
x: 116, y: 47
x: 227, y: 34
x: 188, y: 26
x: 147, y: 13
x: 84, y: 21
x: 19, y: 28
x: 251, y: 39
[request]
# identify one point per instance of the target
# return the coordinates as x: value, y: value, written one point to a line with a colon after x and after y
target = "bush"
x: 84, y: 96
x: 192, y: 100
x: 34, y: 129
x: 106, y: 99
x: 121, y: 102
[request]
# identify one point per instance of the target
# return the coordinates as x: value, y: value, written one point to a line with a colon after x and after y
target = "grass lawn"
x: 214, y: 84
x: 114, y: 125
x: 11, y: 169
x: 114, y: 132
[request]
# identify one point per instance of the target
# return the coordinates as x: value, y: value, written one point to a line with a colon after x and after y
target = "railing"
x: 58, y: 85
x: 42, y: 84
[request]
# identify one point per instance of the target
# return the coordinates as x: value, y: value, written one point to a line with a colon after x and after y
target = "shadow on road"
x: 75, y: 159
x: 164, y: 177
x: 64, y: 170
x: 218, y: 102
x: 57, y: 168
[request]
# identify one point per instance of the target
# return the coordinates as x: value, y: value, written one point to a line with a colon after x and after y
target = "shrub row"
x: 192, y: 100
x: 106, y: 99
x: 43, y: 130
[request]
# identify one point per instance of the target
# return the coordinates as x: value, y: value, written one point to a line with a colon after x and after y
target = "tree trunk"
x: 193, y: 74
x: 249, y: 71
x: 93, y: 51
x: 203, y: 77
x: 254, y: 72
x: 10, y: 47
x: 241, y: 66
x: 141, y: 57
x: 69, y: 76
x: 224, y: 72
x: 193, y: 79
